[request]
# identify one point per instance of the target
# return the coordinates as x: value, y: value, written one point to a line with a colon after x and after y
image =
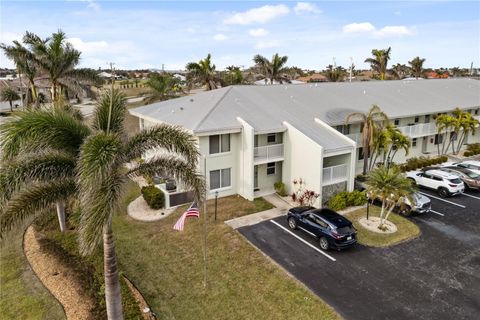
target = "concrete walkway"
x: 281, y: 208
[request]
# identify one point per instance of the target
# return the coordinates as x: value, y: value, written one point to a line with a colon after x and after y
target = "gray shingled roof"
x: 266, y: 107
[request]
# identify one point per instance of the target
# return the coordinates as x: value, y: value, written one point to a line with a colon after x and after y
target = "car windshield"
x: 456, y: 181
x: 345, y: 229
x: 473, y: 175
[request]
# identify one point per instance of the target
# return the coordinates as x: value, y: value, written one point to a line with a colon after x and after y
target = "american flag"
x: 192, y: 211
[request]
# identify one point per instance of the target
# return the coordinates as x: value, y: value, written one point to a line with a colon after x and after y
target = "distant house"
x: 316, y: 77
x: 263, y: 82
x: 435, y: 75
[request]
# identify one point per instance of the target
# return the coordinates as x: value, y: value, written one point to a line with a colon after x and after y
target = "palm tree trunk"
x: 113, y: 296
x: 61, y: 215
x: 365, y: 159
x: 462, y: 139
x: 11, y: 105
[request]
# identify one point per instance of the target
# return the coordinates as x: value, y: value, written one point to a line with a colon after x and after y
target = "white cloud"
x: 220, y: 37
x: 267, y: 44
x: 191, y: 30
x: 358, y: 27
x: 258, y: 15
x: 89, y: 47
x: 93, y: 5
x: 303, y: 7
x: 260, y: 32
x: 388, y: 31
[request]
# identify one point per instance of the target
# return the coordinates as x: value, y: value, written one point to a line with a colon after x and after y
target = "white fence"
x: 334, y: 174
x: 419, y: 130
x: 264, y: 154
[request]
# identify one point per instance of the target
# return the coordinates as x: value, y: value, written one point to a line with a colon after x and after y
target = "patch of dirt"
x: 58, y: 279
x: 373, y: 222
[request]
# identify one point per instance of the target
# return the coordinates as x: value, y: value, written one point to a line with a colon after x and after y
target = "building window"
x: 414, y: 142
x: 396, y: 122
x: 476, y: 112
x: 438, y: 139
x: 417, y: 119
x: 272, y: 138
x: 270, y: 168
x: 219, y: 143
x: 142, y: 124
x: 360, y: 153
x: 344, y: 128
x: 220, y: 179
x: 427, y: 118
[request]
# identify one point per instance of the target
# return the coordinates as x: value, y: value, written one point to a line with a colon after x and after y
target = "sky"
x: 149, y: 34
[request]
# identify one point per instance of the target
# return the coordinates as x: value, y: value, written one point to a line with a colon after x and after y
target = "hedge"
x: 280, y: 189
x: 347, y: 199
x: 472, y: 149
x: 154, y: 197
x: 421, y: 162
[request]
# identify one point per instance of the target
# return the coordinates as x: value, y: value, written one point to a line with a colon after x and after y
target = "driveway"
x: 436, y: 276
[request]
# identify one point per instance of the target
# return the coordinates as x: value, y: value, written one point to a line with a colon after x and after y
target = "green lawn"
x: 167, y: 266
x: 22, y: 295
x: 406, y: 229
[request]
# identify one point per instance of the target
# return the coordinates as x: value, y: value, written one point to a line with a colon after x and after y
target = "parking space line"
x: 304, y: 241
x: 455, y: 204
x: 468, y: 195
x: 436, y: 212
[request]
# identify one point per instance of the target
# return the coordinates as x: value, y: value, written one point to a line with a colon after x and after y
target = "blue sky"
x: 147, y: 34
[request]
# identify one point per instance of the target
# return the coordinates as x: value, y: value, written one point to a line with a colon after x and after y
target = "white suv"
x: 446, y: 184
x: 471, y: 165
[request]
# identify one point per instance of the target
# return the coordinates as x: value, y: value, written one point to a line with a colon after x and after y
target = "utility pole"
x: 352, y: 65
x: 112, y: 70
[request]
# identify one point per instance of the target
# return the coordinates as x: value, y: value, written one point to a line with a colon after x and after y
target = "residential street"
x: 432, y: 277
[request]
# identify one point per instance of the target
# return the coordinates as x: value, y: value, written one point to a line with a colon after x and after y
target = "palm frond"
x: 32, y: 199
x: 170, y: 165
x: 100, y: 118
x: 167, y: 137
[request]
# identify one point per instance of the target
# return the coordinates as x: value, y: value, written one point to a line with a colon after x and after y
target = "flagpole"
x: 205, y: 226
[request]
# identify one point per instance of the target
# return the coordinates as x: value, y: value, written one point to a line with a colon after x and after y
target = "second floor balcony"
x: 419, y: 130
x: 334, y: 174
x: 268, y: 153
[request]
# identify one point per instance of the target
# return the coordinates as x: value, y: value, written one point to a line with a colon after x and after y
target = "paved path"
x: 281, y: 208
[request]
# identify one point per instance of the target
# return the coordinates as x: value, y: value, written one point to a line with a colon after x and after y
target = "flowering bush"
x: 302, y: 195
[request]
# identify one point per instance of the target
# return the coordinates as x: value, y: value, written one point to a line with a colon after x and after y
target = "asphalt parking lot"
x: 435, y: 276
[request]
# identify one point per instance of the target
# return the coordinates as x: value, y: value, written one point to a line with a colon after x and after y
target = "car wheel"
x: 405, y: 210
x: 323, y: 243
x: 443, y: 192
x: 292, y: 223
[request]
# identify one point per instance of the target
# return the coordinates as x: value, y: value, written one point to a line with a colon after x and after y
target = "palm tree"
x: 397, y: 141
x: 233, y: 75
x: 391, y: 187
x: 379, y: 61
x: 370, y: 122
x: 444, y: 123
x: 400, y: 71
x: 272, y: 70
x: 462, y: 124
x: 203, y: 72
x: 24, y: 61
x: 334, y: 74
x: 104, y: 159
x: 417, y: 66
x: 58, y: 59
x: 162, y: 87
x: 10, y: 95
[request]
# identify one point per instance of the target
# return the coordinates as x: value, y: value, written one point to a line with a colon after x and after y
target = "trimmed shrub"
x: 338, y: 202
x: 154, y: 197
x: 280, y: 188
x: 444, y: 158
x: 347, y: 199
x: 468, y: 153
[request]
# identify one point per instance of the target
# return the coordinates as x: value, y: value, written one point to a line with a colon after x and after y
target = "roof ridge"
x: 213, y: 108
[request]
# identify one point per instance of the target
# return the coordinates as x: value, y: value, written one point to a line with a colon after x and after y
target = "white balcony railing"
x: 334, y: 174
x: 272, y: 152
x: 419, y: 130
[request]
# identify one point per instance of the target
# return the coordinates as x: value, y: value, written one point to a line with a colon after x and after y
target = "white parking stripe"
x: 455, y: 204
x: 436, y: 212
x: 306, y: 242
x: 468, y: 195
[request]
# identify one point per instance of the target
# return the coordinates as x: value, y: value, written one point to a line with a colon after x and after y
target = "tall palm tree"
x: 104, y: 159
x: 416, y: 65
x: 272, y: 70
x: 397, y: 141
x: 203, y: 72
x: 370, y: 121
x: 379, y: 61
x: 162, y: 87
x: 58, y: 59
x: 444, y: 123
x: 400, y: 71
x: 233, y: 75
x: 390, y: 186
x: 334, y: 73
x: 462, y: 124
x: 25, y: 64
x: 10, y: 95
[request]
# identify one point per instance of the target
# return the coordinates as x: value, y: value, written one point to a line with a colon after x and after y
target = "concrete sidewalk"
x: 281, y: 208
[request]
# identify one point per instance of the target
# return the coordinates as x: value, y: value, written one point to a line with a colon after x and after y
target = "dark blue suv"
x: 328, y: 227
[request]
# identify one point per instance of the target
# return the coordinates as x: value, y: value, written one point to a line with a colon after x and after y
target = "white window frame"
x: 220, y: 144
x: 274, y: 169
x: 274, y: 135
x: 220, y: 180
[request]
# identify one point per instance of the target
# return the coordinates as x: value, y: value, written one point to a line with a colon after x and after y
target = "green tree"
x: 104, y: 159
x: 462, y: 123
x: 397, y: 141
x: 233, y: 76
x: 400, y: 71
x: 10, y: 95
x: 203, y: 72
x: 162, y: 87
x: 379, y: 61
x: 391, y: 187
x: 334, y: 74
x: 371, y: 122
x: 416, y: 65
x: 58, y: 60
x: 272, y: 70
x: 444, y: 123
